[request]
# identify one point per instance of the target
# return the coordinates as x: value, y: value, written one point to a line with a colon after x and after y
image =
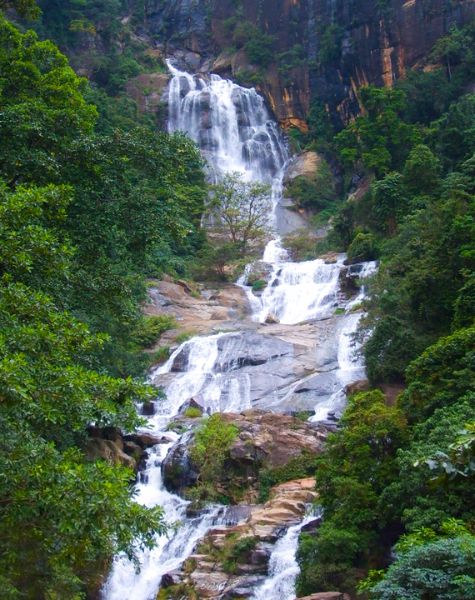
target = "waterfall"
x: 283, y: 567
x: 235, y: 133
x: 230, y: 124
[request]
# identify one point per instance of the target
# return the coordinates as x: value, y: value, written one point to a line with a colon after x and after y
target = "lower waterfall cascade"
x: 235, y: 132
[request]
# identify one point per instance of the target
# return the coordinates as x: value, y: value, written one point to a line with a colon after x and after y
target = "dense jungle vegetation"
x: 401, y: 474
x: 92, y: 202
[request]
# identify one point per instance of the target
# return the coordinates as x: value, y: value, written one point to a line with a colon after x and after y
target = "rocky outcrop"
x: 211, y: 310
x: 147, y: 90
x: 323, y: 48
x: 264, y: 440
x: 232, y: 561
x: 112, y: 445
x: 304, y: 165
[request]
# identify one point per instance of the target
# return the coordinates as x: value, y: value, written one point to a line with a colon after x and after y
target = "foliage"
x: 236, y: 551
x: 259, y: 46
x: 151, y: 328
x: 297, y: 468
x: 25, y: 8
x: 330, y: 44
x: 441, y: 568
x: 259, y: 285
x: 239, y: 210
x: 379, y: 138
x: 193, y: 412
x: 209, y: 451
x: 50, y: 395
x: 441, y: 376
x: 358, y: 463
x: 315, y: 193
x: 85, y: 215
x: 362, y: 248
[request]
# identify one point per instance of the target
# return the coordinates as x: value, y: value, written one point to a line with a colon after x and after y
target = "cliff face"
x: 342, y: 44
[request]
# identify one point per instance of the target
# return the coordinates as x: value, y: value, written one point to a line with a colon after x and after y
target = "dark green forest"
x: 92, y: 202
x: 400, y: 472
x: 95, y: 199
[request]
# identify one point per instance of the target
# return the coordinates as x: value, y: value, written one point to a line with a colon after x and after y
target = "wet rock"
x: 148, y: 409
x: 348, y: 282
x: 178, y: 470
x: 249, y: 349
x: 258, y: 271
x: 169, y: 579
x: 180, y: 361
x: 147, y: 440
x: 326, y: 596
x: 190, y: 404
x: 108, y: 450
x: 362, y: 385
x: 312, y: 526
x: 271, y: 319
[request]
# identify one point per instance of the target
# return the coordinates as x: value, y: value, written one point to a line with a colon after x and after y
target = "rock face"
x: 305, y: 165
x: 369, y: 45
x: 265, y: 440
x: 209, y: 574
x: 217, y: 309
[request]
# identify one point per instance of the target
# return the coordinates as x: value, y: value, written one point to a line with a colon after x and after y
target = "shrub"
x: 362, y: 248
x: 209, y: 452
x: 192, y: 412
x: 259, y: 285
x: 151, y: 328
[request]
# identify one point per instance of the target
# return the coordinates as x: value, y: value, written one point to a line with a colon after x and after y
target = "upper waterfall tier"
x: 230, y: 124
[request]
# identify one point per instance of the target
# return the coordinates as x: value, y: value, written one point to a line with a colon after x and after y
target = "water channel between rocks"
x: 302, y: 362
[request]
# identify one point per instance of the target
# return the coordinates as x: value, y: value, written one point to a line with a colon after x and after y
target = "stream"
x: 229, y: 372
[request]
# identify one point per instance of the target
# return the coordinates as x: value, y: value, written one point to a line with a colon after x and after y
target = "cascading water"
x: 230, y: 124
x: 235, y: 133
x: 283, y: 567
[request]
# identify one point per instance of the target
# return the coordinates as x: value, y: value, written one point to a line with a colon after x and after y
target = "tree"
x: 209, y: 452
x: 379, y: 138
x: 422, y: 171
x: 390, y: 203
x: 442, y: 375
x: 358, y: 463
x: 239, y: 210
x: 61, y: 516
x: 25, y: 8
x: 430, y: 567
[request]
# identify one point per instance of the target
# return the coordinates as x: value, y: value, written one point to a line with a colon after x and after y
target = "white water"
x: 125, y: 583
x: 234, y: 131
x: 283, y: 567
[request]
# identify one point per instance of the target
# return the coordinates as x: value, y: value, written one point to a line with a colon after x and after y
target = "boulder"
x: 220, y: 314
x: 178, y: 470
x: 190, y: 404
x: 326, y: 596
x: 272, y: 319
x: 305, y: 164
x: 97, y: 448
x: 264, y: 440
x: 148, y: 409
x: 147, y: 440
x: 258, y: 271
x: 362, y: 385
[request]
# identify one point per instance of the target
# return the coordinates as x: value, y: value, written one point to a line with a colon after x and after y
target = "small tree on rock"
x: 239, y: 210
